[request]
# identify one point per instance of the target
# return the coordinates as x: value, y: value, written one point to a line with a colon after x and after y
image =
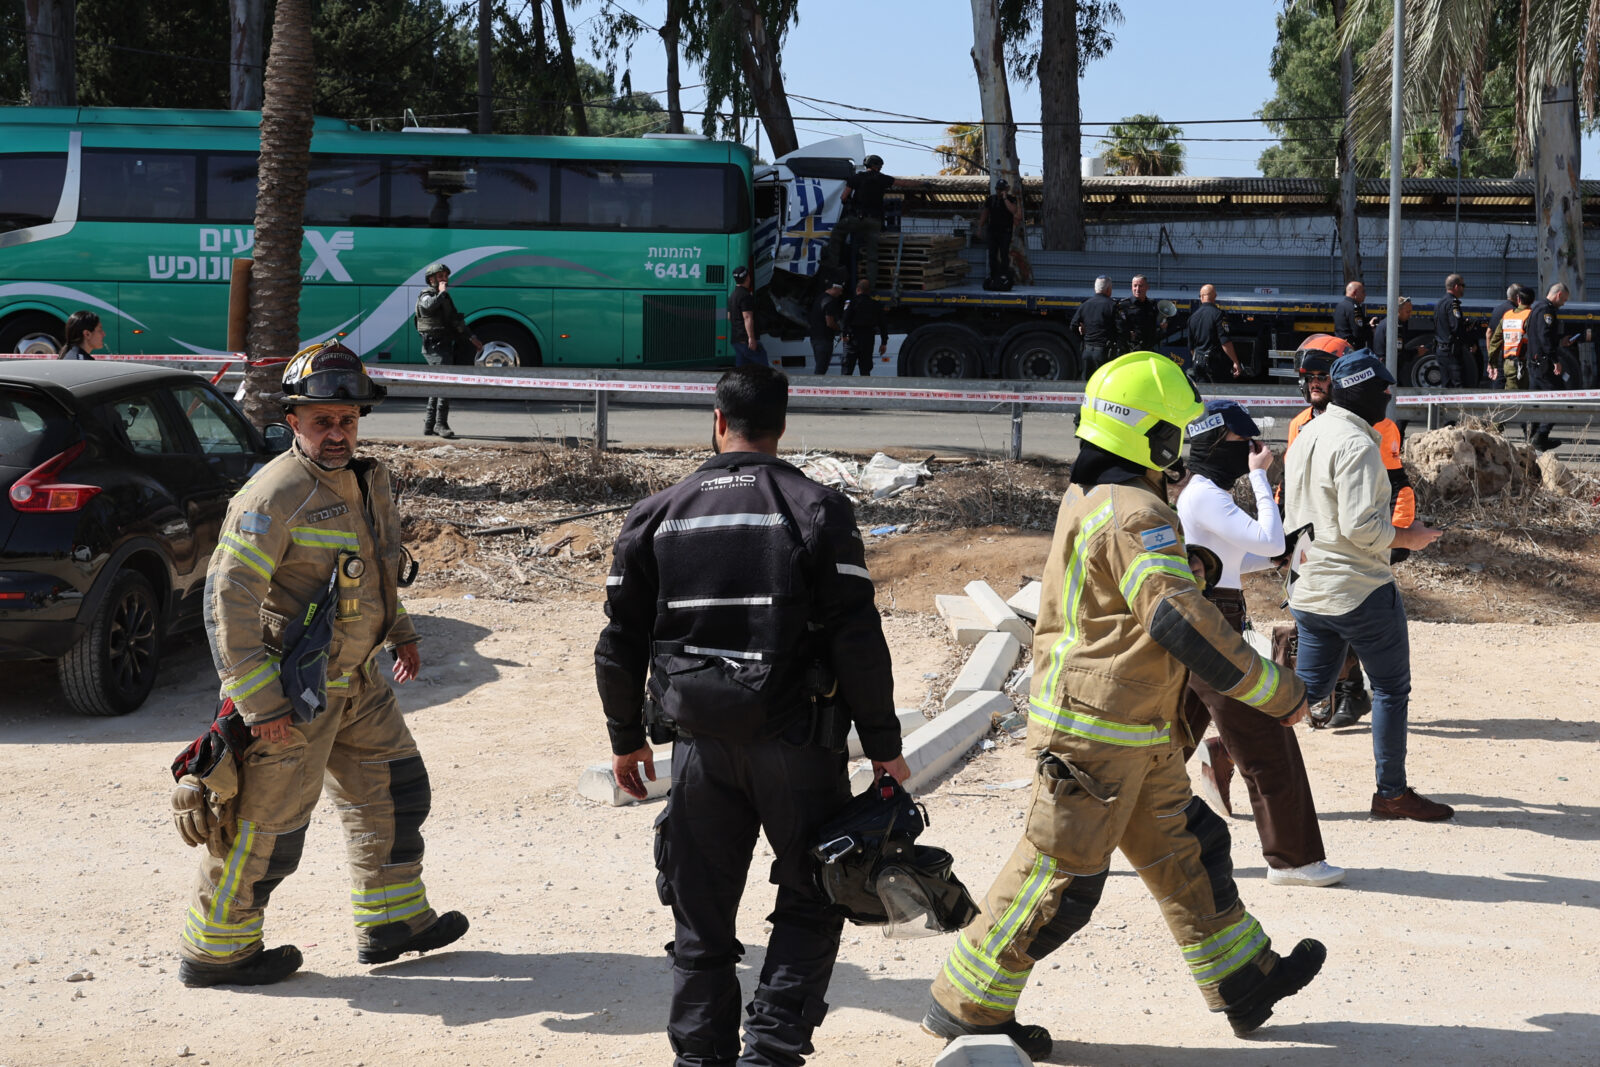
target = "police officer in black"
x: 1096, y: 322
x: 1450, y: 331
x: 863, y: 317
x: 1545, y: 350
x: 1214, y: 358
x: 1350, y: 322
x: 998, y: 220
x: 824, y: 326
x: 743, y: 590
x: 860, y: 225
x: 1141, y: 321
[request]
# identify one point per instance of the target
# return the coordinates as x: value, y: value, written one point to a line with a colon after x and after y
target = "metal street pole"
x: 1391, y: 355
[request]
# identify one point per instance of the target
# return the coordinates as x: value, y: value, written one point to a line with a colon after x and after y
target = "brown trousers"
x: 1137, y: 801
x: 1268, y: 758
x: 362, y: 751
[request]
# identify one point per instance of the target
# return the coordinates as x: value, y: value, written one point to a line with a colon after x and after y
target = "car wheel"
x: 112, y: 668
x: 505, y: 344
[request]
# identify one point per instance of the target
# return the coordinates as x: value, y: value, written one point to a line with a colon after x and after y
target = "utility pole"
x: 485, y: 68
x: 1391, y: 355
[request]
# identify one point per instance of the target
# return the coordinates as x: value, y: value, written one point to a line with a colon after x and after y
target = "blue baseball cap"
x: 1353, y: 368
x: 1224, y: 414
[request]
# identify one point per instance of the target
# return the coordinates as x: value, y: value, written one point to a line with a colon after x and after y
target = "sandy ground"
x: 1473, y: 942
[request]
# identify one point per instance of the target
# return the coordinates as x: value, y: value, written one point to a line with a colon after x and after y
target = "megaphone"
x: 1167, y: 308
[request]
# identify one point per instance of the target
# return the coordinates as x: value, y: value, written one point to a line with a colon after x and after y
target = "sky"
x: 912, y: 57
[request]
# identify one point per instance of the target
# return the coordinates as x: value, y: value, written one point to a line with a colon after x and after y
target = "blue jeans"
x: 1377, y: 632
x: 744, y: 355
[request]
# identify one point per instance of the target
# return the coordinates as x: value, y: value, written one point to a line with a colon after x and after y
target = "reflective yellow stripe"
x: 1071, y: 593
x: 1226, y: 951
x: 315, y: 537
x: 1094, y: 728
x: 1266, y: 686
x: 975, y: 969
x: 1148, y: 563
x: 389, y: 903
x: 199, y: 930
x: 247, y: 554
x: 255, y: 681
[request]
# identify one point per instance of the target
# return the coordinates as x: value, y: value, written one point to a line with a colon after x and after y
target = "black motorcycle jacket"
x: 728, y: 588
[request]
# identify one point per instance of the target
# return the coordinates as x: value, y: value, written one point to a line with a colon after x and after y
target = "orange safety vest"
x: 1514, y: 332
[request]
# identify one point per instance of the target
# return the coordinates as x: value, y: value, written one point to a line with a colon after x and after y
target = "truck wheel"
x: 1425, y: 372
x: 945, y: 352
x: 1039, y: 356
x: 112, y: 668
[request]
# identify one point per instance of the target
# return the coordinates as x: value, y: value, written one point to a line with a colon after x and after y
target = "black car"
x: 115, y: 479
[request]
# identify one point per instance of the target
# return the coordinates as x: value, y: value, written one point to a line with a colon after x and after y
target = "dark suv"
x: 114, y: 479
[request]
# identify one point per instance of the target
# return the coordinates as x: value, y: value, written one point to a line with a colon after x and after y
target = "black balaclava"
x: 1362, y: 390
x: 1222, y: 461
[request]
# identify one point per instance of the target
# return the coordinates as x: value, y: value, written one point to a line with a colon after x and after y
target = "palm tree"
x: 1446, y: 48
x: 1143, y: 146
x: 280, y: 204
x: 963, y: 150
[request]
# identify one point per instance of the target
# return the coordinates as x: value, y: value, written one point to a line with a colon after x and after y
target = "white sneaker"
x: 1319, y: 873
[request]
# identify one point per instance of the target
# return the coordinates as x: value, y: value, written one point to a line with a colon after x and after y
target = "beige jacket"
x: 280, y: 541
x: 1121, y: 625
x: 1334, y: 480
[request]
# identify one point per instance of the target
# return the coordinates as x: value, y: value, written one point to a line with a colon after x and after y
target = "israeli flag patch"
x: 1157, y: 539
x: 253, y: 522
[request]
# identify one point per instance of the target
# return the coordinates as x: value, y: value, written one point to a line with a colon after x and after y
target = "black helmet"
x: 329, y: 373
x: 740, y: 273
x: 873, y: 161
x: 874, y: 874
x: 1001, y: 186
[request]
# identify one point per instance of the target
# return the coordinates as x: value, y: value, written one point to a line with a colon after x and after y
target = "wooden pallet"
x: 924, y: 261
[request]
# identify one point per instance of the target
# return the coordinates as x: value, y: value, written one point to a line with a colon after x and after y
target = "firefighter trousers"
x: 1138, y: 802
x: 361, y: 749
x: 722, y: 794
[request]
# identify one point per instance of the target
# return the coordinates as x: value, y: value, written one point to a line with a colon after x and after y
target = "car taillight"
x: 39, y: 491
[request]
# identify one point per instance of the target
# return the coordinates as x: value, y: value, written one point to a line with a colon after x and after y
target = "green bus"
x: 563, y: 250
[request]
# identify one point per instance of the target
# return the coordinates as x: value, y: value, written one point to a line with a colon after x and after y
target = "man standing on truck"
x: 1096, y: 322
x: 1001, y: 215
x: 861, y: 218
x: 1209, y: 341
x: 1142, y: 321
x: 824, y: 326
x: 1350, y: 317
x: 1450, y: 332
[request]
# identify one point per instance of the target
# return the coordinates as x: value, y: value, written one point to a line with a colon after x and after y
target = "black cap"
x: 740, y: 274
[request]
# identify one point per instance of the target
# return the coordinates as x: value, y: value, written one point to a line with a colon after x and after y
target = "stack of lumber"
x: 927, y: 261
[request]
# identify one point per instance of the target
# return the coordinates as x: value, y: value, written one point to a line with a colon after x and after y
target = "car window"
x: 31, y: 429
x: 217, y: 426
x: 142, y: 426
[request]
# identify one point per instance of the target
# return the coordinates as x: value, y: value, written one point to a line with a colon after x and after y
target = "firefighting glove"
x: 191, y: 811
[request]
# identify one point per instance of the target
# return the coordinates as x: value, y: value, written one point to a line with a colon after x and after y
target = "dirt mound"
x: 1468, y: 461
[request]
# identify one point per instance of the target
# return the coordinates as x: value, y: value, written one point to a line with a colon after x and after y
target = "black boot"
x: 432, y: 416
x: 444, y: 421
x: 1034, y: 1041
x: 1249, y: 1009
x: 264, y: 968
x: 387, y: 942
x: 1351, y: 701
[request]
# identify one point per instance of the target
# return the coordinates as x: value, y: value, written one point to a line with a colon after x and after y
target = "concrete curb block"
x: 1022, y: 684
x: 983, y: 1050
x: 1025, y: 601
x: 991, y: 661
x: 935, y: 748
x: 967, y: 624
x: 598, y: 783
x: 996, y: 612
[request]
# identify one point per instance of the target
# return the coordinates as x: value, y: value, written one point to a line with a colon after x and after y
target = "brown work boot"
x: 1410, y: 805
x: 1216, y: 773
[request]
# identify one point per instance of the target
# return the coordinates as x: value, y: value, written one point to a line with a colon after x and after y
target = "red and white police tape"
x: 799, y: 387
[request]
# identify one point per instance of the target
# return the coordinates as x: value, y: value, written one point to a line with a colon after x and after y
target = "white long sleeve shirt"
x: 1211, y: 519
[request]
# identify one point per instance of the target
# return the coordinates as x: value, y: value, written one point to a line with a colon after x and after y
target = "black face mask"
x: 1224, y: 462
x: 1368, y: 401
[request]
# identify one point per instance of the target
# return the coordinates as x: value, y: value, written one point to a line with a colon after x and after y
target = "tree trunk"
x: 52, y: 28
x: 280, y: 204
x: 758, y: 55
x: 1349, y: 221
x: 569, y: 69
x: 988, y: 56
x: 247, y: 19
x: 1063, y: 137
x: 485, y: 66
x: 671, y: 31
x: 1558, y: 205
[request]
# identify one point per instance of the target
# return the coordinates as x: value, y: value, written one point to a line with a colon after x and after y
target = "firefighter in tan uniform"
x: 314, y: 532
x: 1121, y: 624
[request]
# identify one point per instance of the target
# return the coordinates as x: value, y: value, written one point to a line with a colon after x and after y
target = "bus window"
x: 467, y: 193
x: 30, y: 189
x: 137, y: 186
x: 662, y: 199
x: 231, y: 187
x: 342, y: 191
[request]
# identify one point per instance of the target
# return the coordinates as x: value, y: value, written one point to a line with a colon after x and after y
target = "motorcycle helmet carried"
x: 1315, y: 356
x: 1137, y: 406
x: 329, y: 373
x: 872, y: 872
